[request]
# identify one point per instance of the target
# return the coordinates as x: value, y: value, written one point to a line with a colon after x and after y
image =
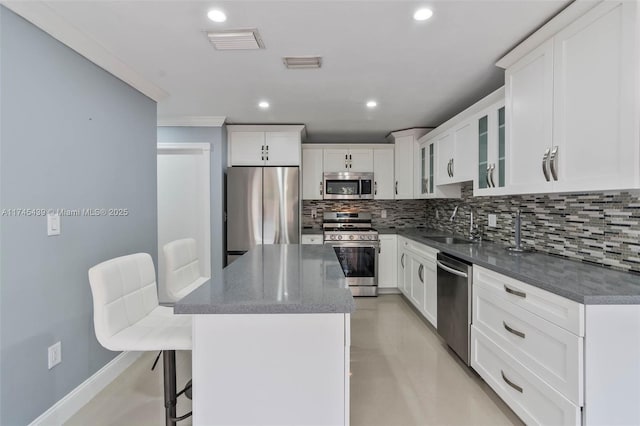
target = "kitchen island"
x: 271, y: 339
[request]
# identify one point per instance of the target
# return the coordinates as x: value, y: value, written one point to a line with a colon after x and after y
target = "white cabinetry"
x: 311, y: 239
x: 456, y: 154
x: 417, y: 276
x: 383, y: 173
x: 490, y: 140
x: 572, y: 105
x: 251, y: 145
x: 312, y: 170
x: 405, y: 147
x: 387, y: 262
x: 348, y: 160
x: 425, y: 185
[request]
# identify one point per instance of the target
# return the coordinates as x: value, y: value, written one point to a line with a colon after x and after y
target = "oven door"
x: 359, y: 262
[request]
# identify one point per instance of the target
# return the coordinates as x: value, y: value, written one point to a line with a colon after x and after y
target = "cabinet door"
x: 595, y: 93
x: 387, y: 264
x: 312, y: 174
x: 444, y: 157
x: 383, y: 173
x: 464, y: 152
x: 529, y: 107
x: 400, y: 265
x: 417, y: 282
x: 283, y: 148
x: 336, y: 160
x: 490, y: 140
x: 430, y: 275
x: 403, y: 187
x: 247, y: 148
x: 421, y: 184
x: 361, y: 160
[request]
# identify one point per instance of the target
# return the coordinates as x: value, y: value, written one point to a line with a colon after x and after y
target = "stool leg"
x: 169, y: 365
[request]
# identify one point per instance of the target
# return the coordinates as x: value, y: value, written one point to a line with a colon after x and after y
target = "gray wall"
x: 217, y: 137
x: 72, y: 136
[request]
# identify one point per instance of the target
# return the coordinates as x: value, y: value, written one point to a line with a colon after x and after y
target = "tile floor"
x: 403, y: 375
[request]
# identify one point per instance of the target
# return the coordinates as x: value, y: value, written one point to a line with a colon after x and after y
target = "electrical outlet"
x: 54, y: 355
x: 314, y: 213
x: 493, y: 220
x: 383, y: 214
x: 53, y: 224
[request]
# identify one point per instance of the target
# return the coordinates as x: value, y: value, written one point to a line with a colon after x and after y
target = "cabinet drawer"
x: 556, y: 309
x: 421, y: 249
x: 534, y: 401
x: 549, y: 351
x: 312, y: 239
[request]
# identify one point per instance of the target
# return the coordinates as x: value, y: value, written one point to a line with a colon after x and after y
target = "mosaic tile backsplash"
x: 600, y: 228
x: 400, y: 213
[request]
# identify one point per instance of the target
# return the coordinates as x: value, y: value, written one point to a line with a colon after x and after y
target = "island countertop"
x: 275, y: 279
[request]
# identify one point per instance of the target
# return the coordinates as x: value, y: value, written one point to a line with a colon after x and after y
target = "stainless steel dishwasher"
x: 454, y: 303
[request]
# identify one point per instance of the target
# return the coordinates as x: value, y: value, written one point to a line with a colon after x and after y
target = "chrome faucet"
x: 474, y: 231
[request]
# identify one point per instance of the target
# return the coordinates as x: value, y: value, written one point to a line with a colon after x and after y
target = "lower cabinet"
x: 388, y: 262
x: 417, y: 276
x: 521, y: 351
x: 311, y: 239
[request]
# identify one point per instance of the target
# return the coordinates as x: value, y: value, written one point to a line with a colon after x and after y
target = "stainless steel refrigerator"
x: 263, y: 207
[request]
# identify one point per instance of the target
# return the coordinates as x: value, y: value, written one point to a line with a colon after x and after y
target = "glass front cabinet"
x: 490, y: 138
x: 426, y: 185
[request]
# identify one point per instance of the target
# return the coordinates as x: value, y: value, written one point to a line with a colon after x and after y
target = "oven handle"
x: 451, y: 270
x: 367, y: 244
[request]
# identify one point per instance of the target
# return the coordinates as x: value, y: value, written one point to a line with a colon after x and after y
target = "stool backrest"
x: 124, y: 291
x: 182, y: 265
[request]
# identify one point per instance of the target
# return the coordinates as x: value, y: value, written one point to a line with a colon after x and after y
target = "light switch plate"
x: 493, y: 220
x: 383, y: 214
x: 314, y: 213
x: 53, y: 224
x: 54, y: 355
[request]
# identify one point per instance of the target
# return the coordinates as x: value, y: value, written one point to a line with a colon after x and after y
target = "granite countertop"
x: 575, y: 280
x: 275, y: 279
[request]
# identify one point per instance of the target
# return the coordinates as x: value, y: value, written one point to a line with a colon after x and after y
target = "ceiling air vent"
x: 297, y: 62
x: 246, y: 39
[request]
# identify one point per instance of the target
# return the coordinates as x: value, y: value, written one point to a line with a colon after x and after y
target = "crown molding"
x: 44, y: 17
x: 191, y: 121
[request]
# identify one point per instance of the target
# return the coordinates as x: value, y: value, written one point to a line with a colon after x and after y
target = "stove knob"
x: 339, y: 237
x: 351, y: 237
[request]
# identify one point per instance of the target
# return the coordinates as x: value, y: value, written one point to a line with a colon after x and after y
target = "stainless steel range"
x: 357, y: 246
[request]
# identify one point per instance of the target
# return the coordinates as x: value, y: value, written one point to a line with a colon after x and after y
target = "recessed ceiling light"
x: 263, y: 104
x: 372, y: 104
x: 217, y: 15
x: 423, y: 14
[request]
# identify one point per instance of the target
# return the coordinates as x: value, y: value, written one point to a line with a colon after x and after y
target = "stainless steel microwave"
x: 348, y: 186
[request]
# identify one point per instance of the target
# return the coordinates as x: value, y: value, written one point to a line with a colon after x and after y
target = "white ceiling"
x: 420, y: 73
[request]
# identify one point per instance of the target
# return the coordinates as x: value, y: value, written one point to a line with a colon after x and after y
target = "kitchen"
x: 576, y: 203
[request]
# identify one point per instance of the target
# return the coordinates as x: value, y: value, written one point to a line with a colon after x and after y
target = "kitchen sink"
x: 451, y: 240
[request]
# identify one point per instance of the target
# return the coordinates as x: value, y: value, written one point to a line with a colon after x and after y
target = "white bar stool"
x: 127, y: 317
x: 182, y: 269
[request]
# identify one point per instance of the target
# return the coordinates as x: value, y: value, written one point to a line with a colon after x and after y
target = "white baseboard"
x: 71, y: 403
x: 389, y: 290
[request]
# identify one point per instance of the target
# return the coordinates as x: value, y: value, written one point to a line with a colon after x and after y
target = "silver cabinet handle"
x: 396, y: 187
x: 515, y: 292
x: 553, y: 162
x: 510, y: 383
x: 545, y: 160
x: 449, y: 168
x: 452, y: 168
x: 402, y: 260
x: 375, y: 188
x: 493, y: 184
x: 512, y: 330
x: 421, y: 273
x: 488, y: 181
x: 453, y: 271
x: 321, y: 188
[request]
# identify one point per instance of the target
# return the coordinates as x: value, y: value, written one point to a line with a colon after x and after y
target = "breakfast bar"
x: 271, y: 339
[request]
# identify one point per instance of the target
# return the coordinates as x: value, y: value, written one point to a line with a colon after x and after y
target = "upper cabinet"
x: 348, y: 160
x: 260, y: 145
x: 490, y: 139
x: 383, y: 173
x: 405, y: 148
x: 312, y: 169
x: 572, y: 117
